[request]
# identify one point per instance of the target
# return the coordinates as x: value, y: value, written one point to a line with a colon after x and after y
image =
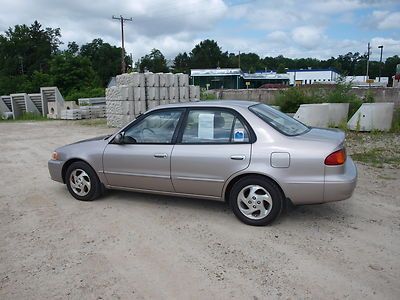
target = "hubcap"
x: 254, y: 202
x: 80, y: 182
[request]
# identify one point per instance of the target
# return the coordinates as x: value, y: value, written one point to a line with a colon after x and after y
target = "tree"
x: 207, y: 54
x: 105, y: 59
x: 153, y: 62
x: 25, y: 49
x: 182, y: 63
x: 71, y: 73
x: 281, y: 69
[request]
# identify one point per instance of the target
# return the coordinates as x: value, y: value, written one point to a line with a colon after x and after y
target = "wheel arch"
x: 235, y: 179
x: 70, y: 162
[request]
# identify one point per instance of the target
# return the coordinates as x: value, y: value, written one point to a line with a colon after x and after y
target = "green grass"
x: 27, y: 116
x: 93, y: 122
x: 377, y: 157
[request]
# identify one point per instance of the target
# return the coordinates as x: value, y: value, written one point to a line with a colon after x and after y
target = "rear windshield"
x: 279, y: 120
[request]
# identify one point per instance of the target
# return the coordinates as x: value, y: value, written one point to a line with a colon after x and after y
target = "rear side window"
x: 280, y: 121
x: 213, y: 126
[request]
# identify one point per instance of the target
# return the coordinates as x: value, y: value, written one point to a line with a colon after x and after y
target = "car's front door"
x: 214, y: 145
x: 143, y: 160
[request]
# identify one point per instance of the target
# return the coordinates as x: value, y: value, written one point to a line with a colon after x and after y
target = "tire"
x: 87, y: 188
x: 256, y: 200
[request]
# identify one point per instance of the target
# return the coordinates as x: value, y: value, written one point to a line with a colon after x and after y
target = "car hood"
x: 97, y: 138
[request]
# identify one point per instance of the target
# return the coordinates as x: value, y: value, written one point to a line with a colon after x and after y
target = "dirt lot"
x: 129, y: 245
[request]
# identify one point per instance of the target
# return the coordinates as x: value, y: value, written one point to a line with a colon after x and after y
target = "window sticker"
x: 238, y: 135
x: 206, y: 126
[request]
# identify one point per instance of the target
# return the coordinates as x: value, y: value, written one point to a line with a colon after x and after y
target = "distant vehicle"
x: 245, y: 153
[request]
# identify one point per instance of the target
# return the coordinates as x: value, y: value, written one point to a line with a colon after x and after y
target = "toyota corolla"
x: 245, y: 153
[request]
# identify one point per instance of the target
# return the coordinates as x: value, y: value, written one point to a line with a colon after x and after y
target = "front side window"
x: 213, y: 126
x: 156, y: 128
x: 279, y: 120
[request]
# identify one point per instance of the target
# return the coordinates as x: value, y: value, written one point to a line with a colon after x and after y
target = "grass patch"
x: 377, y: 157
x: 27, y: 116
x: 93, y: 122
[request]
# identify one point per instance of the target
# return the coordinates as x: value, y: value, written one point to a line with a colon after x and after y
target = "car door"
x: 143, y: 160
x: 214, y: 144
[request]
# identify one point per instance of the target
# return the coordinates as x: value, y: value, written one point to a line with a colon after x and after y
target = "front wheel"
x: 82, y: 182
x: 256, y: 200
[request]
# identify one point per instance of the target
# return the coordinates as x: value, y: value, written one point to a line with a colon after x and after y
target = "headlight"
x: 54, y: 156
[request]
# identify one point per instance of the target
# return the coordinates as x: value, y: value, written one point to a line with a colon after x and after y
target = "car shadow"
x: 290, y: 213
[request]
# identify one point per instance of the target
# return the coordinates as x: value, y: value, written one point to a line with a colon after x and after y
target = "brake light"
x: 336, y: 158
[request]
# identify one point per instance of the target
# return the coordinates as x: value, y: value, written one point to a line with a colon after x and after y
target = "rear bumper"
x: 55, y: 170
x: 340, y: 186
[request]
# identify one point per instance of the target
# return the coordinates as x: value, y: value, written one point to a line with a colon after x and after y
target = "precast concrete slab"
x: 316, y: 115
x: 372, y: 116
x: 338, y: 113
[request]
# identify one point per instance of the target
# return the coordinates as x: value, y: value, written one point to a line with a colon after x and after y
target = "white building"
x: 312, y: 76
x: 362, y: 81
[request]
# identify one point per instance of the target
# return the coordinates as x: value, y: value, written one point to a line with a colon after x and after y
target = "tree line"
x: 30, y: 57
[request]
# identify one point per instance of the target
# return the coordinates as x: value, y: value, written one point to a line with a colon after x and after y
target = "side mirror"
x: 119, y: 138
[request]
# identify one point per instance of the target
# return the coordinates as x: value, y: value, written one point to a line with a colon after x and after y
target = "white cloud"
x: 307, y: 37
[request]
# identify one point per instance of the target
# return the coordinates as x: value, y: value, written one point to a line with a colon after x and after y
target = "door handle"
x: 160, y: 155
x: 238, y: 157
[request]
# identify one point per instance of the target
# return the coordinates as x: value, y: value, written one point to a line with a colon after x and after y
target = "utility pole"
x: 122, y: 20
x: 239, y: 59
x: 380, y: 62
x: 368, y: 53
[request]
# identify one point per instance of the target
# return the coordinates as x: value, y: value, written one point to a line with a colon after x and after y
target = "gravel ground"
x: 129, y: 245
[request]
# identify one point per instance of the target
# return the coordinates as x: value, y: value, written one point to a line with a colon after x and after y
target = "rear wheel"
x: 256, y: 200
x: 82, y: 182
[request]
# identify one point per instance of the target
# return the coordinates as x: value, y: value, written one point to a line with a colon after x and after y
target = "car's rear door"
x: 214, y: 144
x: 143, y: 161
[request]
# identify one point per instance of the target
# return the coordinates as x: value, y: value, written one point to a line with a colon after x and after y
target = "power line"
x: 122, y: 20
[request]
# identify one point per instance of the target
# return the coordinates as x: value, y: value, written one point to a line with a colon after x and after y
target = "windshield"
x: 278, y: 120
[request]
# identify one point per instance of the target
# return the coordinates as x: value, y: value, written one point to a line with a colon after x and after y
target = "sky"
x: 295, y: 29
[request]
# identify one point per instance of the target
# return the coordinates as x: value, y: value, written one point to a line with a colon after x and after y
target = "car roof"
x: 215, y: 103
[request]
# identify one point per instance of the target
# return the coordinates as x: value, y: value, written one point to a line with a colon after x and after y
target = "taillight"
x: 336, y: 158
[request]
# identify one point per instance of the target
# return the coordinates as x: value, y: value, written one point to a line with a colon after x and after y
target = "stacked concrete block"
x: 183, y: 94
x: 92, y: 101
x: 183, y: 79
x: 194, y: 93
x: 152, y: 79
x: 71, y: 114
x: 132, y: 79
x: 135, y: 93
x: 173, y: 94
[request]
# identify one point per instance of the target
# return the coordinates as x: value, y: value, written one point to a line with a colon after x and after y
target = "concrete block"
x: 139, y: 107
x: 123, y: 92
x: 3, y: 105
x: 194, y: 92
x: 139, y: 93
x: 338, y: 113
x: 183, y: 93
x: 173, y: 93
x: 162, y: 79
x: 118, y: 120
x: 152, y: 79
x: 170, y: 79
x: 372, y: 116
x: 152, y: 93
x: 183, y: 79
x: 163, y: 93
x: 120, y: 107
x: 132, y: 79
x: 316, y: 115
x: 92, y: 101
x: 153, y: 103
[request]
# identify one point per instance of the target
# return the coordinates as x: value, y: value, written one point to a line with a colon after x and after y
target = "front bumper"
x: 340, y: 185
x: 55, y: 170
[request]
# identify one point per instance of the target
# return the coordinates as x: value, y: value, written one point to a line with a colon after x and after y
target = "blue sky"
x: 310, y: 28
